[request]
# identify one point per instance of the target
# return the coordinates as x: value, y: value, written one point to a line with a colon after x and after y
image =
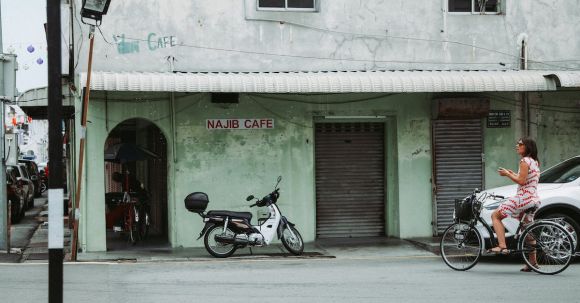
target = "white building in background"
x: 35, y: 143
x: 31, y: 132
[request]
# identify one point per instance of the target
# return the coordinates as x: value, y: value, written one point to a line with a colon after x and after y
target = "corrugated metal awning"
x: 566, y: 79
x: 332, y: 81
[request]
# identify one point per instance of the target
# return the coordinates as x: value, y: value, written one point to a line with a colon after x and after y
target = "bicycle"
x: 546, y: 241
x: 129, y: 215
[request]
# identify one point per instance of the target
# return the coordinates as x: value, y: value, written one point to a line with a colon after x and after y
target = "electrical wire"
x: 281, y: 117
x: 102, y: 35
x: 318, y: 57
x: 541, y: 107
x: 412, y: 39
x: 81, y: 38
x: 365, y: 60
x: 274, y: 97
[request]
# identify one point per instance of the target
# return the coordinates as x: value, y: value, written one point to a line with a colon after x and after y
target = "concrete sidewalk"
x: 21, y: 233
x: 33, y: 247
x: 364, y: 248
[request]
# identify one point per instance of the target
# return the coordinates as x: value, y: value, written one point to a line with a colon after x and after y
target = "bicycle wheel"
x: 461, y: 246
x: 546, y: 247
x: 130, y: 225
x: 143, y: 225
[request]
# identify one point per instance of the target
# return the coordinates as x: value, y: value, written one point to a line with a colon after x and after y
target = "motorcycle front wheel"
x: 217, y: 249
x: 292, y: 240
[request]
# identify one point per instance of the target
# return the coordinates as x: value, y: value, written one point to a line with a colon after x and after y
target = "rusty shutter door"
x: 458, y: 164
x: 350, y: 180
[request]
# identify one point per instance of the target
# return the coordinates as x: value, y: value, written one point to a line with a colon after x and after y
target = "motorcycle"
x: 226, y: 231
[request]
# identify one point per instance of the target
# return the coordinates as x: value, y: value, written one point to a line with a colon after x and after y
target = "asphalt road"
x: 379, y: 279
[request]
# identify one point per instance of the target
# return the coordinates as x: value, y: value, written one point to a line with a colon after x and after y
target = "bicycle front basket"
x: 464, y: 209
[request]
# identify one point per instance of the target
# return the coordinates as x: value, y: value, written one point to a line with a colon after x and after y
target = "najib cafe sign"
x: 212, y: 124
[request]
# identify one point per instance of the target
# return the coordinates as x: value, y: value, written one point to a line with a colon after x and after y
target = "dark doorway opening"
x: 149, y: 173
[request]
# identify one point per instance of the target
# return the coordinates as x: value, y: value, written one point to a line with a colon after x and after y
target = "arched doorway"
x: 145, y: 175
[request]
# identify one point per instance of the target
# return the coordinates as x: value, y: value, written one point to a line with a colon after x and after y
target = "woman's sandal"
x: 526, y: 268
x: 499, y: 251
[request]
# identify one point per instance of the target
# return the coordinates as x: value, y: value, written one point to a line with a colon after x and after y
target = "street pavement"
x: 346, y: 278
x: 349, y: 270
x: 21, y: 233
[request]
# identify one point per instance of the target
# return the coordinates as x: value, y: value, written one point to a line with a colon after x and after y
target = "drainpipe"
x: 173, y: 127
x: 83, y: 135
x: 525, y: 96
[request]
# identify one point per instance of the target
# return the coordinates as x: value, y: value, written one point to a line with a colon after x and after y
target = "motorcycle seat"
x: 231, y: 214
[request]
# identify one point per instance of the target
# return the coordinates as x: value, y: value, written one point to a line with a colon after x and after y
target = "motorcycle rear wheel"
x: 293, y: 243
x: 214, y: 248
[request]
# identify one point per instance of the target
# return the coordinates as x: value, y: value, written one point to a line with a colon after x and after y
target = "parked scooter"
x: 225, y: 231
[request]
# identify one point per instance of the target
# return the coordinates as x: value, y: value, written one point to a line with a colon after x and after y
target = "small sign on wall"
x: 499, y: 119
x: 216, y: 124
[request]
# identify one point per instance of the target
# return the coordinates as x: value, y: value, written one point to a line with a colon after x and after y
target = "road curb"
x: 428, y: 246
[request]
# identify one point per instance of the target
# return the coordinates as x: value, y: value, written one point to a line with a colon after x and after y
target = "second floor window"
x: 287, y: 5
x: 474, y: 6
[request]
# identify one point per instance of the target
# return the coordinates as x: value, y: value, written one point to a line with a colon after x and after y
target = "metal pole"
x: 4, y: 224
x: 55, y: 190
x: 82, y: 147
x: 525, y: 97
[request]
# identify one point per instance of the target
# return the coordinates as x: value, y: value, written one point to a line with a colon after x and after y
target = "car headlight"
x: 493, y: 205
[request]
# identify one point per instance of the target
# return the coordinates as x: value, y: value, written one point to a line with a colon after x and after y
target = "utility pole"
x: 7, y: 94
x: 4, y: 224
x: 55, y: 190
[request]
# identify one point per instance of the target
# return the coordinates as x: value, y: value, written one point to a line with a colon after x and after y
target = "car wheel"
x: 30, y: 203
x: 16, y: 212
x: 571, y: 226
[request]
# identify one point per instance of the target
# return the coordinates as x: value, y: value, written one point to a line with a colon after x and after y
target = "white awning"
x: 334, y: 81
x: 566, y: 79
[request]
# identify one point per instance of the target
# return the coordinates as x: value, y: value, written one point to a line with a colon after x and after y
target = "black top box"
x: 196, y: 202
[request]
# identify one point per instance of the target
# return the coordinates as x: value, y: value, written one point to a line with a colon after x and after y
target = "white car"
x: 559, y: 191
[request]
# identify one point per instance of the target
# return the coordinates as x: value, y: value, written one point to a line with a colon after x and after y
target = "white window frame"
x: 473, y: 11
x: 286, y: 8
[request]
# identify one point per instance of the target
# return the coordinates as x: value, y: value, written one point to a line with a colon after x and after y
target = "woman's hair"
x: 531, y: 148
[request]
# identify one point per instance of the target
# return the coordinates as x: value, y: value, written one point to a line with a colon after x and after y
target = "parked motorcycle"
x: 226, y: 231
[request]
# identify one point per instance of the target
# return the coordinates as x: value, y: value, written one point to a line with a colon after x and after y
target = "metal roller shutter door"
x: 350, y: 180
x: 458, y: 164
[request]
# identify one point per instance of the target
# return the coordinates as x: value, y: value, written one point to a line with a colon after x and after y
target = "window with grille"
x: 474, y: 6
x: 287, y: 5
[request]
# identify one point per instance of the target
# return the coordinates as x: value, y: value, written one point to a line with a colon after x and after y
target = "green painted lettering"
x: 150, y: 42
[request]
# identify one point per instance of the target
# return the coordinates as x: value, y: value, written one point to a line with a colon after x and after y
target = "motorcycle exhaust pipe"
x: 225, y: 239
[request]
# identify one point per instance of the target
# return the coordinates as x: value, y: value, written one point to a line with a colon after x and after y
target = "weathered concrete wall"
x: 558, y: 123
x: 101, y: 120
x: 554, y: 124
x: 231, y: 164
x: 207, y: 35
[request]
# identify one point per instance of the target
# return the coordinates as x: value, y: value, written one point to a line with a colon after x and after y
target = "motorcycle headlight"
x: 492, y: 206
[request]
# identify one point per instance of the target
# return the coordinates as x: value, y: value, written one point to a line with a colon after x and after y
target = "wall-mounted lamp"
x: 94, y: 9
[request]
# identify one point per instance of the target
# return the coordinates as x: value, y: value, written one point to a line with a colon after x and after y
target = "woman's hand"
x: 520, y: 177
x: 503, y: 172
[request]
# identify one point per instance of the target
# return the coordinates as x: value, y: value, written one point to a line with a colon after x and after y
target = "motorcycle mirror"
x: 279, y: 179
x: 250, y: 198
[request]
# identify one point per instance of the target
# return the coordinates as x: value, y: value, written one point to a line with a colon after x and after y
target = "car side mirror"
x: 250, y: 198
